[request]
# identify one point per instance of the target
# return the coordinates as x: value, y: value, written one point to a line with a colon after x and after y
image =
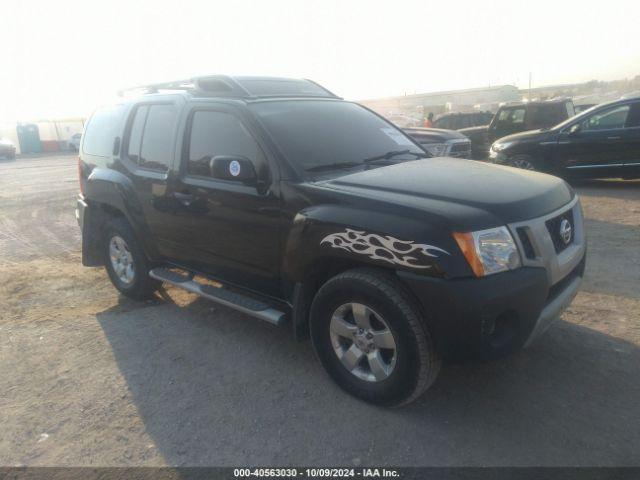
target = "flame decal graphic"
x: 378, y: 247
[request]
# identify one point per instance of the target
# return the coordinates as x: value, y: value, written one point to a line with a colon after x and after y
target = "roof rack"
x: 243, y: 87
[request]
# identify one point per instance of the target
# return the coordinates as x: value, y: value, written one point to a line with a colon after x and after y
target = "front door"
x: 224, y: 227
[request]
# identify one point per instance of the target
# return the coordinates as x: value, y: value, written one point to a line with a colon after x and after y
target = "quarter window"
x: 102, y: 131
x: 218, y: 133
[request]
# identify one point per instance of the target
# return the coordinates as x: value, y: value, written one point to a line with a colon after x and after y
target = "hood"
x: 474, y: 130
x: 434, y: 134
x: 510, y: 194
x: 529, y: 135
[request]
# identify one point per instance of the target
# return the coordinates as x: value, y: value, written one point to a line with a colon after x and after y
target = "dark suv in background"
x: 459, y: 120
x: 514, y: 118
x: 441, y: 143
x: 603, y: 141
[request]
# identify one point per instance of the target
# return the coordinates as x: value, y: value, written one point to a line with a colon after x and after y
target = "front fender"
x: 331, y: 232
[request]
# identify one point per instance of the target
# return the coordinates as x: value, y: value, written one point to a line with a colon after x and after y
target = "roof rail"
x: 204, y: 84
x: 243, y: 87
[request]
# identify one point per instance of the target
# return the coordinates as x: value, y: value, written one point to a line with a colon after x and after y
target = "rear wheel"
x: 371, y: 338
x: 126, y: 263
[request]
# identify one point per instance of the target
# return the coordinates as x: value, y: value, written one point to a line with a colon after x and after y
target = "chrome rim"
x: 363, y: 342
x: 522, y: 163
x: 121, y: 259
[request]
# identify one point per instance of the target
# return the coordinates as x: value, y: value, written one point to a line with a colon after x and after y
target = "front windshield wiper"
x: 332, y: 166
x: 345, y: 165
x: 394, y: 153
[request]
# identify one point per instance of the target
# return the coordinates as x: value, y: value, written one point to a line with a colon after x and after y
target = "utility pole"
x: 529, y: 86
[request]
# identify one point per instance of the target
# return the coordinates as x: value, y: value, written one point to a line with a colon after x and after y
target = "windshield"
x: 577, y: 117
x: 313, y: 134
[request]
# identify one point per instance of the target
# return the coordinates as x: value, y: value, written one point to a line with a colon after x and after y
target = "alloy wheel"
x: 363, y: 342
x: 121, y: 260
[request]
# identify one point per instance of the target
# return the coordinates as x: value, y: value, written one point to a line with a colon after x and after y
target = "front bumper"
x: 464, y: 313
x: 497, y: 314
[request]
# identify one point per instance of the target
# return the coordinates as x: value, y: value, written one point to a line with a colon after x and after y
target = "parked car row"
x: 7, y: 149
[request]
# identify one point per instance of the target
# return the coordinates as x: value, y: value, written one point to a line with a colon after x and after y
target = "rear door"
x: 148, y: 154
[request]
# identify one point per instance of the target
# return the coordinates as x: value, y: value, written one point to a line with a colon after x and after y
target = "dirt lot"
x: 91, y: 378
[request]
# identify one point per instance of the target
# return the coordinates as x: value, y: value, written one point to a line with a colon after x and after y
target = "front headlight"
x: 498, y: 147
x: 436, y: 149
x: 489, y: 251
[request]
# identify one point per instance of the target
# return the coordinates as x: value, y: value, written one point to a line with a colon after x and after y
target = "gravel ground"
x: 91, y: 378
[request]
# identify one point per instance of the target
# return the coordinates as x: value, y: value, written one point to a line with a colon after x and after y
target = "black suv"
x: 517, y: 117
x: 459, y: 120
x: 281, y: 200
x: 603, y: 141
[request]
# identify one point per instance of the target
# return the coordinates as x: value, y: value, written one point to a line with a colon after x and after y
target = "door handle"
x: 614, y: 138
x: 184, y: 198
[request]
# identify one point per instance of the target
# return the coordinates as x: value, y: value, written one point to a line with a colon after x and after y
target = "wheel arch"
x: 110, y: 194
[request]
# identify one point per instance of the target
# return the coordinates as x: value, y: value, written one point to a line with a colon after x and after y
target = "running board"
x: 221, y: 295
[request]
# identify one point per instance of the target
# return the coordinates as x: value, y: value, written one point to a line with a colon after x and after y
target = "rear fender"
x: 108, y: 189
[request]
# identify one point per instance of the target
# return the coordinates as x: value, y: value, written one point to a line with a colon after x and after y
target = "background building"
x: 419, y: 105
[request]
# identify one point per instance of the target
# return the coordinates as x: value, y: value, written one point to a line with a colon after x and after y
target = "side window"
x: 135, y: 136
x: 510, y: 116
x: 517, y: 116
x: 102, y: 130
x: 218, y: 133
x: 156, y: 150
x: 611, y: 118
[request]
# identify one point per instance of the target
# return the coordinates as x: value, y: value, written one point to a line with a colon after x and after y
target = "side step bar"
x: 237, y: 301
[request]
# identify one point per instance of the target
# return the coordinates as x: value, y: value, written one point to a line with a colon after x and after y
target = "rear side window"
x: 101, y: 131
x: 218, y: 133
x: 151, y: 137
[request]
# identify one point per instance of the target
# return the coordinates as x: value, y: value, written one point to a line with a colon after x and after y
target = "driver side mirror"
x: 234, y: 168
x: 574, y: 129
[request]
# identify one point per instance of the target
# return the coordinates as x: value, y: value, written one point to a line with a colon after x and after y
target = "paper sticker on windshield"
x: 234, y: 168
x: 396, y: 136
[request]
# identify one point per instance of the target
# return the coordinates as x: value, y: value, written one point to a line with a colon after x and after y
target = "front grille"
x: 461, y: 147
x: 529, y: 252
x: 554, y: 226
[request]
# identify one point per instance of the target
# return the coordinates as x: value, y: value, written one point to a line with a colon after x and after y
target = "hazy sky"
x: 62, y: 58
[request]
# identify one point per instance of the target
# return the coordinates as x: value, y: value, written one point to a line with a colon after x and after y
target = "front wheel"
x: 371, y: 338
x: 525, y: 162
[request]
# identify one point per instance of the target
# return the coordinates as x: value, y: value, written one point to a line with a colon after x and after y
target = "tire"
x: 383, y: 376
x: 139, y: 285
x: 525, y: 162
